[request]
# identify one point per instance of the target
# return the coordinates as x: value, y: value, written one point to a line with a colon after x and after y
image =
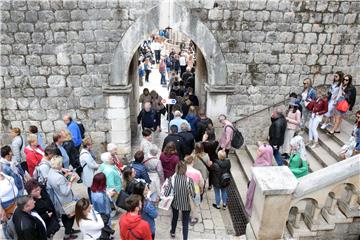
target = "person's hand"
x: 275, y: 146
x: 73, y: 178
x: 112, y: 193
x: 158, y: 129
x: 210, y: 163
x: 49, y: 214
x: 205, y: 137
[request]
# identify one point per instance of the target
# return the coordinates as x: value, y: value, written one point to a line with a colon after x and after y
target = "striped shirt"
x: 183, y: 186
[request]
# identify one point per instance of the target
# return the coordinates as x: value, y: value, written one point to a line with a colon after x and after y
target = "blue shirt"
x: 178, y: 122
x: 6, y: 168
x: 149, y: 213
x: 141, y: 171
x: 101, y: 202
x: 75, y: 133
x: 65, y: 156
x: 357, y: 146
x: 40, y: 141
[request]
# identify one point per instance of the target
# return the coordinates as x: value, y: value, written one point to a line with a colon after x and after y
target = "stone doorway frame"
x: 120, y: 89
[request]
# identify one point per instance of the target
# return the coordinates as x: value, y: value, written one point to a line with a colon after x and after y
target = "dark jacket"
x: 277, y: 131
x: 218, y: 168
x: 148, y: 119
x: 210, y: 149
x: 44, y: 205
x: 350, y: 96
x: 192, y: 120
x: 28, y: 227
x: 201, y: 126
x: 189, y: 142
x: 141, y: 172
x: 179, y: 143
x: 72, y: 152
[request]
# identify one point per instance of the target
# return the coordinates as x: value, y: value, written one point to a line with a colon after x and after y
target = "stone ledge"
x: 219, y: 89
x: 117, y: 90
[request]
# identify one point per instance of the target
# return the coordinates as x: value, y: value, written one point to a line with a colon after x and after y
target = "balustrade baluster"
x: 297, y: 219
x: 333, y: 205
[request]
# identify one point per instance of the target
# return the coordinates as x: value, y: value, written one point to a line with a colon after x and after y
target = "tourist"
x: 176, y: 139
x: 144, y: 97
x: 28, y: 224
x: 169, y: 159
x: 333, y: 95
x: 148, y: 118
x: 34, y: 153
x: 132, y: 227
x: 192, y: 118
x: 182, y: 63
x: 154, y: 167
x: 190, y: 61
x: 9, y: 168
x: 146, y: 142
x: 60, y: 183
x: 222, y: 165
x: 226, y: 135
x: 210, y: 147
x: 178, y: 120
x: 88, y: 164
x: 191, y: 100
x: 17, y: 147
x: 162, y: 71
x: 43, y: 206
x: 199, y: 184
x: 308, y: 95
x: 188, y: 139
x: 71, y: 151
x: 348, y: 93
x: 293, y: 121
x: 173, y: 78
x: 319, y: 109
x: 202, y: 162
x: 112, y: 173
x: 74, y: 130
x: 264, y: 156
x: 89, y: 221
x: 182, y: 89
x: 113, y: 150
x: 187, y: 74
x: 277, y: 133
x: 157, y: 106
x: 352, y: 148
x: 34, y: 130
x: 183, y: 186
x: 201, y: 126
x: 138, y: 165
x: 147, y: 68
x: 156, y: 47
x: 169, y: 66
x: 297, y: 162
x: 42, y: 169
x: 129, y: 180
x: 58, y: 142
x: 176, y: 63
x: 8, y: 195
x: 148, y: 211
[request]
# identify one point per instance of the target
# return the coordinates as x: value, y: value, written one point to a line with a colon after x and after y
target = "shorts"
x: 340, y: 113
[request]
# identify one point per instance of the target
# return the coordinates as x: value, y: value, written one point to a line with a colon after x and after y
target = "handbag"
x: 120, y: 201
x: 166, y: 201
x: 310, y: 105
x: 342, y: 106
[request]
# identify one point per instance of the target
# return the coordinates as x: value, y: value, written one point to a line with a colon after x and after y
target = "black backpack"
x: 82, y: 129
x: 237, y: 138
x: 225, y: 179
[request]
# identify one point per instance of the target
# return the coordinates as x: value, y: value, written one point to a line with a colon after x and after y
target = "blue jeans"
x: 277, y: 156
x: 163, y: 79
x: 4, y: 228
x: 223, y: 196
x: 185, y: 222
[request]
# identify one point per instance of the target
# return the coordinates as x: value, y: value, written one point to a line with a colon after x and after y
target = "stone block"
x: 118, y: 101
x: 102, y: 125
x: 315, y: 49
x: 62, y: 16
x: 37, y: 114
x: 63, y: 59
x: 76, y: 59
x: 59, y: 125
x: 33, y: 60
x: 88, y: 59
x: 77, y: 70
x: 26, y: 27
x: 303, y: 48
x: 56, y: 81
x: 216, y: 14
x: 86, y: 36
x: 120, y: 113
x: 46, y: 16
x: 48, y: 60
x: 60, y: 70
x: 47, y: 126
x: 23, y: 103
x: 311, y: 59
x: 53, y: 114
x: 17, y: 16
x: 331, y: 60
x: 22, y: 37
x: 48, y: 103
x: 37, y: 81
x: 59, y: 37
x: 87, y: 102
x: 310, y: 38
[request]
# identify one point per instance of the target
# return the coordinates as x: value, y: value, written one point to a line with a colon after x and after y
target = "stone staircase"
x: 318, y: 158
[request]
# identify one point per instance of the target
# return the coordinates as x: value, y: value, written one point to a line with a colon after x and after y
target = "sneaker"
x: 224, y: 207
x: 73, y: 231
x: 314, y: 145
x: 194, y: 221
x: 324, y: 126
x: 215, y: 206
x: 309, y: 143
x: 172, y: 235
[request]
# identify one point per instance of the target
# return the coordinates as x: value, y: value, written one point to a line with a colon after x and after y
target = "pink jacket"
x: 226, y: 134
x: 293, y: 119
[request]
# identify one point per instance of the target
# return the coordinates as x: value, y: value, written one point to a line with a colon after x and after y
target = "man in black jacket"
x: 277, y: 133
x: 202, y: 125
x: 177, y: 139
x: 188, y: 137
x: 148, y: 119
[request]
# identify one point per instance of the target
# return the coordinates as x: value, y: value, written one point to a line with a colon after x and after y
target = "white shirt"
x: 182, y: 61
x: 8, y: 188
x: 91, y: 227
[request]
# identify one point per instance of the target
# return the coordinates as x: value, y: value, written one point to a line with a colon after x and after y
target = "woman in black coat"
x: 28, y: 224
x: 43, y: 206
x: 210, y: 146
x: 72, y: 151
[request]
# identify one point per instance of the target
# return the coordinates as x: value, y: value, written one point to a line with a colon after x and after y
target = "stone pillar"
x: 200, y: 79
x: 271, y: 204
x: 118, y: 112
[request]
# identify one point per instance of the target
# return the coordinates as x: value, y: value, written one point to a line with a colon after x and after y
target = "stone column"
x: 118, y: 112
x: 271, y: 204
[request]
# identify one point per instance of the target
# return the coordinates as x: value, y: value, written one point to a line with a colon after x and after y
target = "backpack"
x: 237, y: 138
x: 225, y: 179
x: 82, y: 129
x: 38, y: 176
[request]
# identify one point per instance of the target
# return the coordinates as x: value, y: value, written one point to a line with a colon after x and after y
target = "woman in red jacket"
x: 132, y: 227
x: 34, y: 153
x: 320, y: 107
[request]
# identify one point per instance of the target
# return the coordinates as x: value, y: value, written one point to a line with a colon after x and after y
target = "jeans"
x: 305, y: 116
x: 277, y: 156
x: 4, y: 228
x: 68, y: 223
x: 313, y: 124
x: 163, y: 79
x: 221, y: 193
x: 147, y: 74
x: 157, y: 56
x: 185, y: 222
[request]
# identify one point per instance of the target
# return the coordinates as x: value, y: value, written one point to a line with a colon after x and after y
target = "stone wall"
x: 56, y: 55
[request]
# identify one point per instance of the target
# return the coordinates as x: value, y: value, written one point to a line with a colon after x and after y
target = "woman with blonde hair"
x: 202, y: 161
x: 308, y: 95
x: 71, y: 150
x: 34, y: 153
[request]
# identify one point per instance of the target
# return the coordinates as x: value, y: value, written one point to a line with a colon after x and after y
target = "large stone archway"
x: 120, y: 87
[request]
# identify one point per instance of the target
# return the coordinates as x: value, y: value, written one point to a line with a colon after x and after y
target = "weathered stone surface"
x: 56, y: 81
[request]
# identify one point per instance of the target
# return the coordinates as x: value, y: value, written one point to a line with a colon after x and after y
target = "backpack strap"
x: 133, y: 234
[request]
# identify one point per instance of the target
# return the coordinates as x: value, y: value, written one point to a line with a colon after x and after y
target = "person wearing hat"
x: 178, y: 120
x: 293, y: 119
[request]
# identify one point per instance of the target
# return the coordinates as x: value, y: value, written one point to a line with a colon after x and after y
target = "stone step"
x: 245, y: 161
x: 314, y: 164
x: 328, y: 142
x: 344, y: 135
x: 239, y: 176
x: 251, y: 151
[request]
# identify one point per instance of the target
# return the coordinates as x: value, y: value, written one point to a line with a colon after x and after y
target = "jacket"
x: 101, y: 202
x: 91, y: 227
x: 17, y: 147
x: 299, y: 169
x: 149, y: 213
x: 182, y: 187
x: 72, y: 152
x: 350, y: 95
x: 13, y: 172
x: 42, y: 170
x: 113, y: 176
x: 210, y: 148
x: 148, y: 119
x: 357, y: 146
x: 201, y: 126
x: 293, y: 119
x: 33, y: 157
x: 178, y: 121
x: 169, y: 163
x: 179, y: 143
x: 44, y: 205
x: 277, y: 131
x: 189, y: 142
x: 57, y: 182
x: 218, y: 168
x: 320, y: 106
x: 89, y: 166
x: 28, y: 227
x: 75, y: 133
x: 134, y: 228
x: 140, y: 171
x: 193, y: 120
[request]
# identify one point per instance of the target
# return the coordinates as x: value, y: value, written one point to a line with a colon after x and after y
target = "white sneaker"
x: 324, y: 126
x: 315, y: 145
